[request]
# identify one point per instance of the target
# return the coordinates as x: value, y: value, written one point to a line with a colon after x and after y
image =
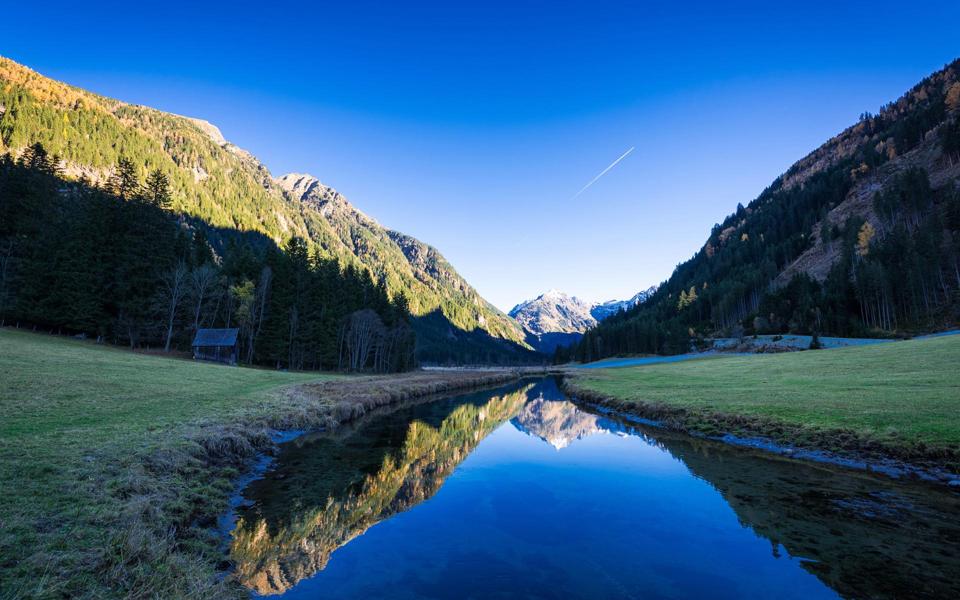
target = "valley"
x: 220, y: 379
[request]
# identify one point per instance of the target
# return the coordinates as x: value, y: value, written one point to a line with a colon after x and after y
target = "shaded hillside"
x: 439, y: 342
x: 859, y: 238
x: 115, y: 264
x: 214, y: 182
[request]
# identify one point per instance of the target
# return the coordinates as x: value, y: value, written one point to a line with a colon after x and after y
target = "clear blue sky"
x: 472, y: 127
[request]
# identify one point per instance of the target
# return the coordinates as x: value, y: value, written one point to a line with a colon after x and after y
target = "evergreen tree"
x: 124, y: 181
x: 158, y: 189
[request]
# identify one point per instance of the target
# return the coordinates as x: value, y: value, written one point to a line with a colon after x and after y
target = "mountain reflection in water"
x: 858, y: 535
x: 329, y: 488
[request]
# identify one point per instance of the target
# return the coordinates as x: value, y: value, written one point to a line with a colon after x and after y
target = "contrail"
x: 603, y: 172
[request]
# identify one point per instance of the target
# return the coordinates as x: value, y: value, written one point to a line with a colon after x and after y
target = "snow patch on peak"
x: 603, y: 310
x: 558, y: 312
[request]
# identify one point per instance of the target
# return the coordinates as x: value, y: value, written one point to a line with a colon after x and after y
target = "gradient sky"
x: 472, y: 127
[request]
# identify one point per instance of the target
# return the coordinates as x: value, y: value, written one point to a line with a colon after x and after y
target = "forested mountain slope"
x: 228, y: 190
x: 860, y: 237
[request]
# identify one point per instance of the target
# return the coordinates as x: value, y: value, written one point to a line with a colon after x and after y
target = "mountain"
x: 557, y: 319
x: 859, y: 238
x: 552, y: 312
x: 225, y: 188
x: 604, y: 310
x: 557, y: 422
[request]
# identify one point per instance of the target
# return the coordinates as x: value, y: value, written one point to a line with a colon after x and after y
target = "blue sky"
x: 472, y: 126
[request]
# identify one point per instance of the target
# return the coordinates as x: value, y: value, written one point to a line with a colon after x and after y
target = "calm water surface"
x: 517, y: 492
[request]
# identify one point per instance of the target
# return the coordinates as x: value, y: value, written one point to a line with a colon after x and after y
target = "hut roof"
x: 216, y: 337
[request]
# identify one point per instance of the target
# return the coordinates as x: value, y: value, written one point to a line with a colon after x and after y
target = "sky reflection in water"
x: 519, y: 493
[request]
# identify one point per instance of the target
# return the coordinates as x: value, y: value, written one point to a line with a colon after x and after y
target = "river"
x: 518, y: 492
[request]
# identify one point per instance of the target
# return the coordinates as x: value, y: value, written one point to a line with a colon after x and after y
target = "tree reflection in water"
x: 861, y: 535
x: 329, y: 488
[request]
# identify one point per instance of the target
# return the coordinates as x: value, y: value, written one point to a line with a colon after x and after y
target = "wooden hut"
x: 217, y: 345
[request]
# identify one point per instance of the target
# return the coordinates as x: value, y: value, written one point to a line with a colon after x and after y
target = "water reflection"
x: 328, y: 489
x: 861, y: 535
x: 556, y: 421
x: 601, y: 517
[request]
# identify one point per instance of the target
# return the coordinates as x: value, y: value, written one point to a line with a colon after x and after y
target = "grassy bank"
x: 115, y: 465
x: 900, y: 399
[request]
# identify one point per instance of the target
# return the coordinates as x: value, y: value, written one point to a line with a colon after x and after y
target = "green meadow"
x: 77, y: 418
x: 906, y: 392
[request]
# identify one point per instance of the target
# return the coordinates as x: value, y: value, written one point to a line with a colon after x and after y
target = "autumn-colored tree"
x: 953, y: 97
x: 687, y: 297
x: 864, y: 237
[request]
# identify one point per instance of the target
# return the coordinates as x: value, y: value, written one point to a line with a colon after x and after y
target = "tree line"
x: 112, y: 261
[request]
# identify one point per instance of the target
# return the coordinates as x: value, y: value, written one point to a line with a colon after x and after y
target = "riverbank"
x: 884, y: 404
x: 115, y: 465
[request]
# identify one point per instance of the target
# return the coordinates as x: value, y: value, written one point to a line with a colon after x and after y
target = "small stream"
x: 520, y: 493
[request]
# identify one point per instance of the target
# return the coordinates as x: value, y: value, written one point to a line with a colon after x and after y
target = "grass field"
x: 902, y: 393
x: 115, y: 465
x: 74, y: 414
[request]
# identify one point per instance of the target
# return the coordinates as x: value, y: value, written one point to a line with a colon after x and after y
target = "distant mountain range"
x: 226, y: 190
x: 557, y: 319
x: 603, y: 310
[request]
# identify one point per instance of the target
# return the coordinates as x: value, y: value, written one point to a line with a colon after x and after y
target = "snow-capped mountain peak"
x: 556, y: 317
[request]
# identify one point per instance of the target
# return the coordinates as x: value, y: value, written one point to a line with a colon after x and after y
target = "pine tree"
x: 124, y: 182
x: 158, y: 189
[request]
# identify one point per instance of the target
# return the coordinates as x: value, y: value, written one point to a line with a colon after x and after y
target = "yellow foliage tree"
x: 953, y: 96
x: 864, y: 237
x: 687, y: 298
